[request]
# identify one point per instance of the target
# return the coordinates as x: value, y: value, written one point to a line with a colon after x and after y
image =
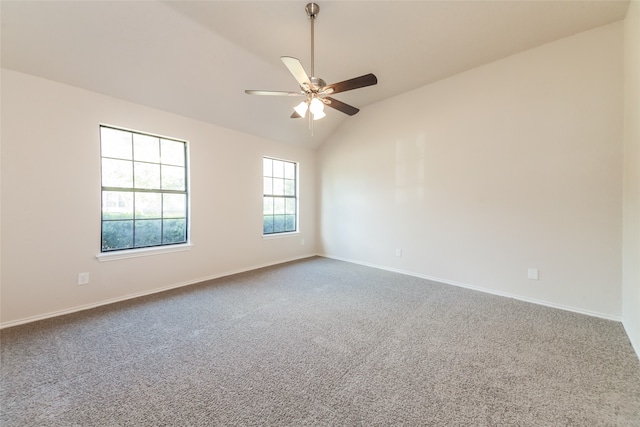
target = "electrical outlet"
x: 532, y: 274
x: 302, y: 242
x: 83, y: 278
x: 398, y: 252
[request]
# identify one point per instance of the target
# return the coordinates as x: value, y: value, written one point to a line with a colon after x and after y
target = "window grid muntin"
x: 133, y: 190
x: 289, y: 221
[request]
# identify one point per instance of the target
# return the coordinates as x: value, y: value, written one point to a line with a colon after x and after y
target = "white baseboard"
x: 634, y: 344
x: 144, y: 293
x: 481, y: 289
x: 255, y: 267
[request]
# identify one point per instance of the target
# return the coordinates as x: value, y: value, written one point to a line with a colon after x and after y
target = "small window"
x: 280, y: 201
x: 144, y: 190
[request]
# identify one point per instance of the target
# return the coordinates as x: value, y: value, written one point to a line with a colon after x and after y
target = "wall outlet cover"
x: 83, y: 278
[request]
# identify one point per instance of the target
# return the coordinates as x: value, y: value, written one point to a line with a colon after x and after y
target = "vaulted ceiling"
x: 196, y: 58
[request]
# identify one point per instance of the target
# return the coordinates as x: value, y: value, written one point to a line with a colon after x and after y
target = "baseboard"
x: 144, y: 293
x: 255, y: 267
x: 635, y: 345
x: 481, y: 289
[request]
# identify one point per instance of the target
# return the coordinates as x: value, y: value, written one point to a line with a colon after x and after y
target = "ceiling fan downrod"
x: 312, y: 10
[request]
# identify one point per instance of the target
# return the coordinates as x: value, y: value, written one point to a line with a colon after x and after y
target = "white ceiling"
x: 196, y: 58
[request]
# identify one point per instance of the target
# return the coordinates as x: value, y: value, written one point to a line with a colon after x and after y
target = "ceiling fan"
x: 314, y: 89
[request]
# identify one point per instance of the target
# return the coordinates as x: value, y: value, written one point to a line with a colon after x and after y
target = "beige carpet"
x: 320, y: 342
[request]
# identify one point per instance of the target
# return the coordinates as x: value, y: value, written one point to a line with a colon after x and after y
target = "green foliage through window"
x: 144, y: 190
x: 280, y: 202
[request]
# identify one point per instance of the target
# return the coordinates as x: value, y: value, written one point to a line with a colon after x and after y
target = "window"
x: 280, y: 202
x: 144, y: 190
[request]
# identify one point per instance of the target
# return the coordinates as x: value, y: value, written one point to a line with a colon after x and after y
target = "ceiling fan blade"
x: 296, y: 68
x: 355, y: 83
x: 273, y: 92
x: 295, y: 115
x: 340, y: 106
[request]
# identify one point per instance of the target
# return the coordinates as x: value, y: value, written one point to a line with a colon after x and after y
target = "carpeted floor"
x: 320, y: 342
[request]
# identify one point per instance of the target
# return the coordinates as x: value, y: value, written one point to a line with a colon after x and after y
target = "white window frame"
x: 289, y: 195
x: 151, y: 249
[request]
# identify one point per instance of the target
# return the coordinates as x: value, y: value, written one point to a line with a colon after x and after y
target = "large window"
x: 280, y: 202
x: 144, y: 190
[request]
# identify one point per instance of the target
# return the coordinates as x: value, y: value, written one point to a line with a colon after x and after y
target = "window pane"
x: 278, y: 187
x: 267, y: 184
x: 278, y: 205
x: 115, y: 143
x: 278, y: 223
x: 267, y: 224
x: 289, y: 170
x: 278, y: 169
x: 289, y: 187
x: 267, y: 206
x: 267, y: 167
x: 279, y: 212
x: 117, y: 205
x: 148, y: 232
x: 290, y: 223
x: 173, y: 152
x: 173, y: 178
x: 174, y: 231
x: 146, y: 148
x: 290, y: 206
x: 174, y: 206
x: 117, y: 235
x: 117, y: 173
x: 152, y: 209
x: 148, y: 205
x: 147, y: 175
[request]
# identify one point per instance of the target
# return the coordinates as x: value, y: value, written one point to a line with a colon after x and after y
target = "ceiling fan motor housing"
x: 317, y: 83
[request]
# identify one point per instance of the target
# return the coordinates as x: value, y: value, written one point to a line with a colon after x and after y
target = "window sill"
x: 280, y: 235
x: 136, y: 253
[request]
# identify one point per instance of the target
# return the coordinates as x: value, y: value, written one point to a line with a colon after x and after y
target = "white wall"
x: 51, y: 200
x: 631, y: 239
x: 478, y: 177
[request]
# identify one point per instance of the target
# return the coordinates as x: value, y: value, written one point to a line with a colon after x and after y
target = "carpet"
x: 319, y: 342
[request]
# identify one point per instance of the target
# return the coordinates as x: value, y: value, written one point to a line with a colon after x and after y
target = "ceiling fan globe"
x: 319, y: 115
x: 301, y: 108
x: 316, y: 106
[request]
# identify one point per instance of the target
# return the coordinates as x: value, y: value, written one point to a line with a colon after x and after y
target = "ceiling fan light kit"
x: 314, y: 89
